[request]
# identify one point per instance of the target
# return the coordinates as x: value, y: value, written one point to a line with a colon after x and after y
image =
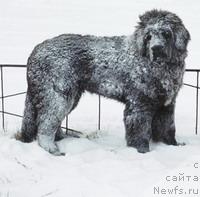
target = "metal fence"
x: 3, y: 97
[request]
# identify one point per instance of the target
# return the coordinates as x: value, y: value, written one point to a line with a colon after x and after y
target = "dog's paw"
x: 24, y: 137
x: 48, y: 144
x: 181, y: 143
x: 143, y: 149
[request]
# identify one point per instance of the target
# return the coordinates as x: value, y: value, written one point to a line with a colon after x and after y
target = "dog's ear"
x: 182, y: 37
x: 139, y: 41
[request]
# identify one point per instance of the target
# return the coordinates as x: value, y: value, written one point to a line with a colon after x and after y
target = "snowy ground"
x: 103, y: 166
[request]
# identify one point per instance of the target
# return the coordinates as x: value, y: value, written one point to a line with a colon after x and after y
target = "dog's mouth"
x: 158, y: 56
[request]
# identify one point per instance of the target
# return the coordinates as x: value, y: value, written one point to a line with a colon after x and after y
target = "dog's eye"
x: 148, y: 37
x: 166, y: 34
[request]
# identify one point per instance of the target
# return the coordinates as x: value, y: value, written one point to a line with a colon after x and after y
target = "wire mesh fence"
x: 3, y: 112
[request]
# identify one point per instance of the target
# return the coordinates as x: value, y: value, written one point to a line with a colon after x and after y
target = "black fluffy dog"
x: 144, y: 71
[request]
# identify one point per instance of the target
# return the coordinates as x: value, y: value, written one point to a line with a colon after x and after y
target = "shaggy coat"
x: 144, y: 71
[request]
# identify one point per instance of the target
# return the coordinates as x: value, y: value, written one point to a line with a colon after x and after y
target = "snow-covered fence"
x: 3, y: 97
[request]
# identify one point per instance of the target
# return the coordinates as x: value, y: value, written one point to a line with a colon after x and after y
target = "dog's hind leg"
x: 60, y: 134
x: 49, y: 119
x: 55, y: 106
x: 28, y: 129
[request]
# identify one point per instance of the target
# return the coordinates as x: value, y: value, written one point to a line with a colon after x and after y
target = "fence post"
x: 66, y: 124
x: 197, y: 102
x: 99, y: 114
x: 2, y: 99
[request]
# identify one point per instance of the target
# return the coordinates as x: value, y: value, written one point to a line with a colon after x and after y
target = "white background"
x: 102, y: 166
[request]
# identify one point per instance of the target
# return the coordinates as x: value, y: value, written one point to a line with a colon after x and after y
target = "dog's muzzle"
x: 158, y: 52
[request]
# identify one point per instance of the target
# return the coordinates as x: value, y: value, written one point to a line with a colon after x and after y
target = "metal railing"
x: 3, y: 112
x: 2, y: 97
x: 197, y: 87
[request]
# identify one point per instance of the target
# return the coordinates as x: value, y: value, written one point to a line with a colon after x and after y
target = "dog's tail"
x: 28, y: 130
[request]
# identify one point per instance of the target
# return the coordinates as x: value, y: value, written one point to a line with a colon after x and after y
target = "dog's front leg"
x: 137, y: 120
x: 163, y: 125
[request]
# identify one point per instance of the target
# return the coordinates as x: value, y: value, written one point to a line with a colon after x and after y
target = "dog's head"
x: 161, y: 36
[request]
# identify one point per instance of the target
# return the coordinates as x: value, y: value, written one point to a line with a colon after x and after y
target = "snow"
x: 101, y: 166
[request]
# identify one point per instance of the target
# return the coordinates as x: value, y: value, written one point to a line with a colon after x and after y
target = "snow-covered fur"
x: 144, y: 71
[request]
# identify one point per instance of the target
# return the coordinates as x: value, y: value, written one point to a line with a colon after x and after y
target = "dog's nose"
x: 157, y: 48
